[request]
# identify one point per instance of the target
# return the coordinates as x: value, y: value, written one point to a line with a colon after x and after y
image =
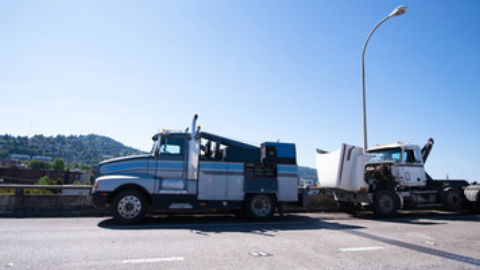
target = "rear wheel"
x: 259, y: 207
x: 453, y: 200
x: 129, y: 206
x: 385, y: 204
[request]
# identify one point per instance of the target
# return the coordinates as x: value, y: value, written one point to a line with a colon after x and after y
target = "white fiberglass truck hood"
x: 343, y: 169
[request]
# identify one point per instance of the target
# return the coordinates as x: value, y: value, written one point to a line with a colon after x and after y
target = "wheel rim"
x: 129, y: 207
x: 261, y: 205
x: 386, y: 204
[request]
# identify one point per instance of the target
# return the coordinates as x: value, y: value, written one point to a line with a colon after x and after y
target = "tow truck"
x: 195, y: 171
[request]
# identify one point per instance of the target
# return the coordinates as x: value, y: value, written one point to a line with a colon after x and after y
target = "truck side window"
x: 409, y: 156
x: 171, y: 146
x: 418, y: 156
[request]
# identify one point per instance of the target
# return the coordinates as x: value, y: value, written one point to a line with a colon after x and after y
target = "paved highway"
x: 430, y: 240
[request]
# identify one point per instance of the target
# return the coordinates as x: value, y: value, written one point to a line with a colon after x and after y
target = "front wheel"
x: 259, y: 207
x: 129, y: 206
x: 385, y: 204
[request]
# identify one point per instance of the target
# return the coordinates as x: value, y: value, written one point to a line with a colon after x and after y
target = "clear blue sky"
x: 253, y: 70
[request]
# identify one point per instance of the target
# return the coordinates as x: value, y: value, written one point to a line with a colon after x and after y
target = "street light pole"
x: 398, y: 11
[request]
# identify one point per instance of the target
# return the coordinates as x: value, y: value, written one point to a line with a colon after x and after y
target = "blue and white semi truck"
x: 197, y: 170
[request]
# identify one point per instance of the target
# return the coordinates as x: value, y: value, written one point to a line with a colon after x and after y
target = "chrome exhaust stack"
x: 193, y: 151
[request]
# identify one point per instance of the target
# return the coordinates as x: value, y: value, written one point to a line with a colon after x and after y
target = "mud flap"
x: 400, y: 200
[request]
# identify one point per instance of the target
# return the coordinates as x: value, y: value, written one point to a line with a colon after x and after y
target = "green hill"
x: 307, y: 173
x: 83, y: 149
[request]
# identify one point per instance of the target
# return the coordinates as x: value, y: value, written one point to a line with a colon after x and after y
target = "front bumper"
x: 100, y: 199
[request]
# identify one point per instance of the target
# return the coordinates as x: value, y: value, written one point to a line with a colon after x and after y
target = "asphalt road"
x: 428, y: 240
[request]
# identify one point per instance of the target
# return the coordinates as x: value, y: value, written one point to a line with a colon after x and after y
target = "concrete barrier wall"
x: 47, y: 205
x: 62, y: 205
x: 321, y: 201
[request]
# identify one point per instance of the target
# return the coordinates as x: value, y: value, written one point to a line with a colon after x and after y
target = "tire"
x: 129, y: 206
x: 259, y: 207
x: 347, y: 207
x: 385, y: 204
x: 453, y: 200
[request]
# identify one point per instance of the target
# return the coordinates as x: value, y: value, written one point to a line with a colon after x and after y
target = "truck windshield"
x: 168, y: 146
x: 386, y: 155
x: 172, y: 146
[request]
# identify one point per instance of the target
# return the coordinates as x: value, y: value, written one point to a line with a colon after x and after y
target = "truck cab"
x: 397, y: 164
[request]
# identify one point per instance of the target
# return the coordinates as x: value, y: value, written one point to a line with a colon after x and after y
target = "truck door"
x: 412, y: 172
x: 171, y: 165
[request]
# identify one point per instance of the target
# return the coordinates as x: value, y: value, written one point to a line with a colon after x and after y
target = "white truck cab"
x: 386, y: 178
x: 405, y: 161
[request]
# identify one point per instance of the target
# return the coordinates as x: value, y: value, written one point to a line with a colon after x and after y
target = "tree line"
x: 82, y: 152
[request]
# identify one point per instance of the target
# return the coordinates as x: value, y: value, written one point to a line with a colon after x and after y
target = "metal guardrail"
x: 19, y: 188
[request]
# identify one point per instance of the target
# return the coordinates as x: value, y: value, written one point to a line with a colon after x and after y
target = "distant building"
x: 31, y: 177
x: 42, y: 158
x: 307, y: 182
x: 79, y: 176
x: 11, y: 163
x: 20, y: 157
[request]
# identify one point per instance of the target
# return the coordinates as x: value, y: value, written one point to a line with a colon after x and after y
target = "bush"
x: 7, y: 191
x: 47, y: 182
x: 82, y: 183
x: 39, y: 165
x: 59, y: 164
x: 59, y: 182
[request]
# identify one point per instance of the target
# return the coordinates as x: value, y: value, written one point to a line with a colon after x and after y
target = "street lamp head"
x: 398, y: 11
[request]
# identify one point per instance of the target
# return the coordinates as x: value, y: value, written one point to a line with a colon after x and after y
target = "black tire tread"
x: 250, y: 213
x: 133, y: 192
x: 378, y: 210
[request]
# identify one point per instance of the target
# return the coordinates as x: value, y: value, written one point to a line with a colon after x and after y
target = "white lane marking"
x: 260, y: 254
x: 154, y: 260
x: 360, y: 249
